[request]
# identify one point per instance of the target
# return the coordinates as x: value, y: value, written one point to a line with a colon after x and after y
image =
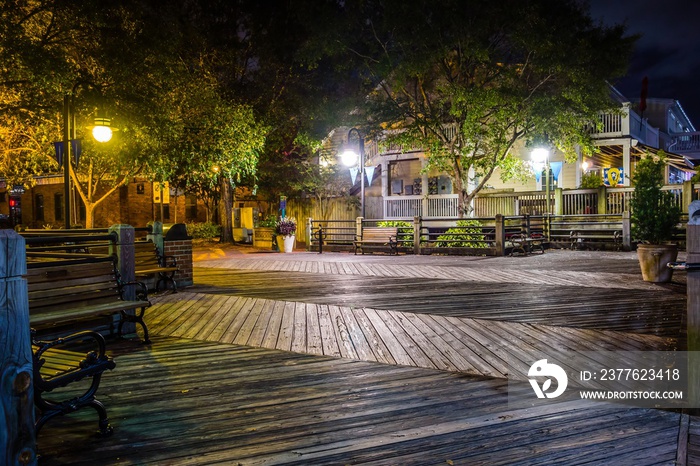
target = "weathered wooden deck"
x: 337, y: 359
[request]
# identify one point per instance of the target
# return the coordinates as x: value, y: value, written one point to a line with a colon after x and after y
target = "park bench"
x: 57, y: 364
x: 149, y: 262
x: 377, y: 238
x: 84, y: 288
x: 587, y: 234
x: 526, y: 244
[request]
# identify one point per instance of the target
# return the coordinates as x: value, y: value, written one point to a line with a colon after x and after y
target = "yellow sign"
x: 164, y: 192
x: 613, y: 176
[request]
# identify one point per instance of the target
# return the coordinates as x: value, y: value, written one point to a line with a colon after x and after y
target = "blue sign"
x: 76, y: 147
x: 613, y: 176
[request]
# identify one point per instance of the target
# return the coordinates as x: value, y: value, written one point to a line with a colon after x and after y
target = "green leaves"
x: 654, y: 212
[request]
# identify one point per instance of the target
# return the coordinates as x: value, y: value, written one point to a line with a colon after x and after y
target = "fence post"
x: 602, y: 200
x: 358, y: 227
x: 500, y: 235
x: 693, y: 290
x: 416, y: 235
x: 687, y: 195
x: 558, y: 201
x: 626, y: 231
x: 17, y: 437
x: 526, y: 224
x: 309, y: 235
x: 124, y: 250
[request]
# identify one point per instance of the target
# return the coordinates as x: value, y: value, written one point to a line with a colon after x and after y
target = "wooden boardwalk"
x: 187, y: 402
x: 342, y: 359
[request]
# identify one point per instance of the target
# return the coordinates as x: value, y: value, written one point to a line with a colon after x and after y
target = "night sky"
x: 668, y: 52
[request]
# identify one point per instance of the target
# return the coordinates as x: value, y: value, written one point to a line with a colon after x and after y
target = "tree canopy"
x: 467, y: 80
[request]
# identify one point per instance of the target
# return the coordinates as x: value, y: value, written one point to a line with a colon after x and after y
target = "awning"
x: 606, y: 153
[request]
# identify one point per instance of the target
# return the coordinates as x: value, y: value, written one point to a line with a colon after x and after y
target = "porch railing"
x: 432, y: 206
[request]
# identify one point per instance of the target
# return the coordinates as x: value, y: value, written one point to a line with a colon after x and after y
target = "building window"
x: 190, y: 207
x: 39, y: 207
x: 58, y: 206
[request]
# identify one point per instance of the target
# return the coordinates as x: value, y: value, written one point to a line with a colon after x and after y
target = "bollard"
x: 321, y: 236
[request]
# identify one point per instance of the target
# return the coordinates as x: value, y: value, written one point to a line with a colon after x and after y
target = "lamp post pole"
x: 541, y: 155
x: 360, y: 164
x: 546, y: 171
x: 66, y: 157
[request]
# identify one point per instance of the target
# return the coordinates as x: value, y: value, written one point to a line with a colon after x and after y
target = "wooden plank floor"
x: 342, y: 359
x: 582, y: 289
x: 186, y: 402
x: 473, y: 346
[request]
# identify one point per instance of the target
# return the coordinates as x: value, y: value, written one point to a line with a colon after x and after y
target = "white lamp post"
x: 540, y: 155
x: 349, y: 158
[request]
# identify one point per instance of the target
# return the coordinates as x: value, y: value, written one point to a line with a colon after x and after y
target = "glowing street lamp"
x: 540, y: 155
x: 101, y: 131
x: 349, y: 158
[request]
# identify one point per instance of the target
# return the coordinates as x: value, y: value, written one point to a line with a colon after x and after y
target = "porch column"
x: 626, y: 164
x: 385, y: 186
x: 425, y: 188
x: 579, y: 165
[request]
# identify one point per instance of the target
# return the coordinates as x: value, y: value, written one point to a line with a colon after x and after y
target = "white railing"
x: 443, y: 206
x: 433, y: 206
x: 403, y: 207
x: 611, y: 124
x: 685, y: 142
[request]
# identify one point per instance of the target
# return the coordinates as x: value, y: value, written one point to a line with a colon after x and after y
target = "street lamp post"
x: 541, y: 155
x: 350, y: 157
x: 67, y: 115
x: 101, y: 131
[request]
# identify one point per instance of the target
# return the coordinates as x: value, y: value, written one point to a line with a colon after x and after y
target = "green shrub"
x: 206, y: 231
x: 268, y: 222
x: 590, y: 180
x: 405, y: 231
x: 467, y: 234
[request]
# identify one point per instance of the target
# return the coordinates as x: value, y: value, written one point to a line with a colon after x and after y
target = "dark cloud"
x: 668, y: 51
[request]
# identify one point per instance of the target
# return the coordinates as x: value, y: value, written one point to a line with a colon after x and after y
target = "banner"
x: 370, y: 175
x: 613, y: 176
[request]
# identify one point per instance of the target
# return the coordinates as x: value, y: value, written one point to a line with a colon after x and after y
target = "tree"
x: 467, y: 80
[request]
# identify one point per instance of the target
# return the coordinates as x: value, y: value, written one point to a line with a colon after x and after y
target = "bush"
x: 467, y: 234
x: 206, y: 231
x: 405, y: 231
x: 268, y: 222
x: 654, y: 214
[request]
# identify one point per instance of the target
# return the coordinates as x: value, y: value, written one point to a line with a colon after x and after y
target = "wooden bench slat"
x: 149, y: 262
x: 379, y: 237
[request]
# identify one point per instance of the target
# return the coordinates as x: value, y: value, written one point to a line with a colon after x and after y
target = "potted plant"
x: 262, y: 234
x: 285, y: 230
x: 654, y: 216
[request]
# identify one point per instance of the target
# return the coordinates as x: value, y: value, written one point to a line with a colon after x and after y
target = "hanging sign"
x: 370, y: 175
x: 353, y: 174
x: 613, y: 176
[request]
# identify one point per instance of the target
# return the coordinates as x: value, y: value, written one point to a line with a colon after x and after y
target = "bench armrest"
x: 141, y: 289
x: 96, y: 338
x: 168, y: 261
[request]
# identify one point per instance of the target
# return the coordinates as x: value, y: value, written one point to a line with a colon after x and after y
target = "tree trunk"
x: 90, y: 214
x: 226, y: 211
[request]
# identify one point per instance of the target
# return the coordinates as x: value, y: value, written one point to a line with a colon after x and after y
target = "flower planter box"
x: 262, y: 237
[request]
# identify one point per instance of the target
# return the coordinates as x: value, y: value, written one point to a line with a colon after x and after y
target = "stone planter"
x: 653, y: 259
x: 262, y: 237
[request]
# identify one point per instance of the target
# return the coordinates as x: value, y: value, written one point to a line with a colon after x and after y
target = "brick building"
x: 134, y: 204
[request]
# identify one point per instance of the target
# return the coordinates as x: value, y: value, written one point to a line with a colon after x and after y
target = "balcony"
x: 627, y: 124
